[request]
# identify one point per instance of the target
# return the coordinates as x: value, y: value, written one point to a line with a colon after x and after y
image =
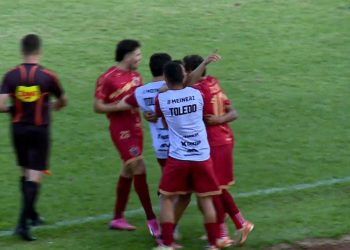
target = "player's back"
x: 215, y: 102
x: 183, y: 112
x: 145, y: 96
x: 30, y: 86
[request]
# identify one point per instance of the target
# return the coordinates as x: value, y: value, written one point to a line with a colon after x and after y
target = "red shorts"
x: 161, y: 163
x: 129, y: 146
x: 222, y: 157
x: 182, y: 177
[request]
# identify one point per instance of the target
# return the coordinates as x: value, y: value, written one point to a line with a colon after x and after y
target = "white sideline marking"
x: 138, y: 211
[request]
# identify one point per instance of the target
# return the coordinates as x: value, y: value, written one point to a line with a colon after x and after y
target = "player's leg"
x: 222, y: 164
x: 141, y: 188
x: 210, y: 222
x: 180, y: 206
x: 38, y: 163
x: 124, y: 182
x: 243, y: 226
x: 123, y: 188
x: 167, y: 218
x: 206, y: 185
x: 220, y: 213
x: 31, y: 186
x: 21, y: 142
x: 174, y: 183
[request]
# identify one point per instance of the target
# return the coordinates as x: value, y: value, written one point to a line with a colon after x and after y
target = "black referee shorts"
x: 32, y: 144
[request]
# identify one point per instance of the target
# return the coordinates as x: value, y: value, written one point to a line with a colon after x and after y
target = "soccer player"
x: 218, y: 112
x: 144, y: 97
x: 29, y: 87
x: 125, y: 128
x: 188, y: 166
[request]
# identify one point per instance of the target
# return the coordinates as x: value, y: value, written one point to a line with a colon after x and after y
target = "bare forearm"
x: 229, y: 116
x: 105, y: 108
x: 196, y: 74
x: 100, y: 107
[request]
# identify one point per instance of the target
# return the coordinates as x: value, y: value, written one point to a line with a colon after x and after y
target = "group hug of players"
x: 188, y: 115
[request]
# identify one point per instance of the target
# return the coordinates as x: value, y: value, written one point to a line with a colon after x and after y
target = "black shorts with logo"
x: 32, y: 145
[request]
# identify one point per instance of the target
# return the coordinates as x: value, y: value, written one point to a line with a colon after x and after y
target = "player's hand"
x: 150, y: 117
x: 214, y: 57
x: 212, y: 119
x: 56, y: 106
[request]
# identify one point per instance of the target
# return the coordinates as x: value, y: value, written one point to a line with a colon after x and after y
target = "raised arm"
x: 196, y: 74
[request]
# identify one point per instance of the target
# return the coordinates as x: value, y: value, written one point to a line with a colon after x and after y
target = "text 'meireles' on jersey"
x: 183, y: 112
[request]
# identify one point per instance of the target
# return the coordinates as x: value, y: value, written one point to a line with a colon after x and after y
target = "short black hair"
x: 191, y: 62
x: 124, y: 47
x: 179, y: 61
x: 157, y: 62
x: 30, y: 44
x: 173, y: 73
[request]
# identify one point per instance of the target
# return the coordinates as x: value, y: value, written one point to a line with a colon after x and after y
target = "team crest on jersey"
x: 134, y: 151
x: 135, y: 80
x: 28, y: 94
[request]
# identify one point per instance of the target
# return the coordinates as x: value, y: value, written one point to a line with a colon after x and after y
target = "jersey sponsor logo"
x: 134, y: 151
x: 134, y: 82
x: 28, y: 94
x: 183, y: 110
x: 192, y: 150
x: 190, y: 143
x: 191, y: 136
x: 149, y: 101
x: 152, y: 91
x: 164, y: 145
x: 124, y: 134
x: 182, y: 99
x: 163, y: 137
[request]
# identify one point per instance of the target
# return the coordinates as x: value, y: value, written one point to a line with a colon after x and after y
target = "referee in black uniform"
x: 29, y: 87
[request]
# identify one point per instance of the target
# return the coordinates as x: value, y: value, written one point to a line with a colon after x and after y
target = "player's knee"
x: 33, y: 175
x: 138, y: 167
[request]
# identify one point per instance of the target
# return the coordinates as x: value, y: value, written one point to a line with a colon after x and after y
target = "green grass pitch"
x: 285, y: 67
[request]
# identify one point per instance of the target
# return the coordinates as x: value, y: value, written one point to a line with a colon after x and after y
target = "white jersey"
x: 183, y: 111
x: 145, y: 96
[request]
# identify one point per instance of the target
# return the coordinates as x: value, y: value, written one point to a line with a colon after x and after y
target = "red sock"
x: 122, y: 191
x: 167, y: 233
x: 141, y: 189
x: 232, y: 209
x: 220, y: 211
x: 212, y: 232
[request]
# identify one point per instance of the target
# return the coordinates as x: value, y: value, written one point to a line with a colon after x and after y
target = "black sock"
x: 22, y: 216
x: 30, y: 194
